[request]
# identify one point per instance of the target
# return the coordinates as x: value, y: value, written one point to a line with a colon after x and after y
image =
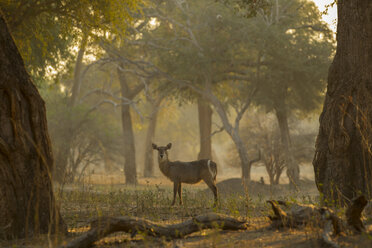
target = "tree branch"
x: 104, y: 226
x: 246, y: 105
x: 256, y: 159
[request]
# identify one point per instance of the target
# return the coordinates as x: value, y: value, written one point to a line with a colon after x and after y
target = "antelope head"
x: 162, y: 151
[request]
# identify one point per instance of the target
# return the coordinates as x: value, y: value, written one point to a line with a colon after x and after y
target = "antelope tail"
x: 212, y: 167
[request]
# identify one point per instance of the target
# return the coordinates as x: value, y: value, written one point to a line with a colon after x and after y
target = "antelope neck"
x: 164, y: 165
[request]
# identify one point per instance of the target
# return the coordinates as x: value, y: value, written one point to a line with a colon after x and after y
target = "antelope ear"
x: 169, y: 146
x: 154, y: 146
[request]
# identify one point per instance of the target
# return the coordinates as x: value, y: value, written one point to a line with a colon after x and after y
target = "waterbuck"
x: 186, y: 172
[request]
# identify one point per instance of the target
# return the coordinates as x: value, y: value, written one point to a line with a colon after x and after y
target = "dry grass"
x: 151, y: 199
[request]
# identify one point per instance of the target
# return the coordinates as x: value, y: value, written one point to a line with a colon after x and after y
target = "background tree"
x: 134, y: 76
x: 265, y: 134
x: 27, y: 202
x: 155, y: 101
x: 205, y: 113
x: 295, y: 48
x: 45, y: 31
x: 261, y: 129
x: 84, y: 136
x: 343, y: 158
x: 193, y: 57
x: 167, y: 15
x: 130, y: 167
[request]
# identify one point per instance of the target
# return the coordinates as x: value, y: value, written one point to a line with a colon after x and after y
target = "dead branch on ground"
x: 104, y: 226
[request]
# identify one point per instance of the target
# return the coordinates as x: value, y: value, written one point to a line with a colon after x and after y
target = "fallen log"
x: 295, y: 215
x: 105, y: 226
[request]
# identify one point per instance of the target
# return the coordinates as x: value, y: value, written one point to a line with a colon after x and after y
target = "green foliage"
x: 296, y: 48
x: 199, y: 42
x: 41, y: 37
x: 286, y: 49
x: 248, y: 8
x: 46, y: 31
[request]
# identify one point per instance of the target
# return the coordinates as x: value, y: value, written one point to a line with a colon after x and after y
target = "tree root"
x: 354, y: 214
x: 299, y: 215
x: 104, y: 226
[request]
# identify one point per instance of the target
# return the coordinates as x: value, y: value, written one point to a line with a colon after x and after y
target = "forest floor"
x: 151, y: 199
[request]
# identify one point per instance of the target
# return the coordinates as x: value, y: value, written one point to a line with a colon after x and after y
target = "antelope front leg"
x: 180, y: 192
x: 175, y: 189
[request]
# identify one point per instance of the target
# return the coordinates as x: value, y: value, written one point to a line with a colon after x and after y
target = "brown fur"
x: 186, y: 172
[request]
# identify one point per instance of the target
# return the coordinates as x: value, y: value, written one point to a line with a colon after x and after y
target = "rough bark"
x: 205, y: 129
x: 105, y: 226
x: 149, y: 159
x: 343, y: 158
x: 293, y: 170
x: 27, y: 203
x: 354, y: 213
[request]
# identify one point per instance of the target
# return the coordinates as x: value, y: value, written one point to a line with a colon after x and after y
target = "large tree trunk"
x: 293, y: 170
x: 205, y: 129
x: 130, y: 171
x: 149, y: 160
x: 343, y: 158
x: 27, y: 204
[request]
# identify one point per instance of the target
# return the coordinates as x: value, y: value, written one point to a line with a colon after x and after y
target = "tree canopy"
x: 45, y: 31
